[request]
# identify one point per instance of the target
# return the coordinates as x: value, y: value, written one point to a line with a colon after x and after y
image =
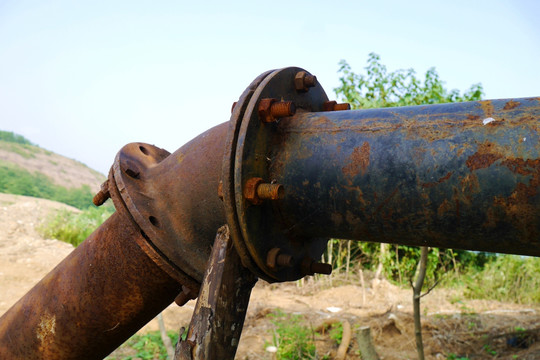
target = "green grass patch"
x: 147, y: 346
x: 72, y: 227
x: 18, y: 181
x: 510, y: 278
x: 292, y: 338
x: 26, y: 151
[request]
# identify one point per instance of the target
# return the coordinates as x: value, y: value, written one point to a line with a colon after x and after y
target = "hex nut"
x: 303, y: 81
x: 250, y: 191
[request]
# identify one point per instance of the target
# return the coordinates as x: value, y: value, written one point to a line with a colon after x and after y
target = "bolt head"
x: 250, y: 190
x: 264, y: 110
x: 303, y: 81
x: 271, y: 258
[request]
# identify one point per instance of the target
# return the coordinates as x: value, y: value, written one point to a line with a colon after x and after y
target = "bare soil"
x: 476, y: 329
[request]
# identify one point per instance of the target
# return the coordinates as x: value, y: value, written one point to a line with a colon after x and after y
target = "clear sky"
x: 84, y: 78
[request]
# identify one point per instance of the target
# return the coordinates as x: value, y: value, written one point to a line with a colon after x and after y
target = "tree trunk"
x: 365, y: 345
x: 382, y: 255
x: 417, y: 294
x: 165, y: 338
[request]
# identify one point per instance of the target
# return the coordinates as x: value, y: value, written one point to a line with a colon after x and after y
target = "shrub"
x: 9, y: 136
x: 73, y: 227
x: 508, y: 278
x: 148, y: 346
x: 292, y: 338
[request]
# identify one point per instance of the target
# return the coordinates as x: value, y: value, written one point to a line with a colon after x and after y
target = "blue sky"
x: 84, y: 78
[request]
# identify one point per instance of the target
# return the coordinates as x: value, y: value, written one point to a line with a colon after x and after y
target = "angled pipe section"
x: 153, y: 249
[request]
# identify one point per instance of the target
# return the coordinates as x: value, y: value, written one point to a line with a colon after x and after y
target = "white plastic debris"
x: 333, y: 309
x: 488, y: 120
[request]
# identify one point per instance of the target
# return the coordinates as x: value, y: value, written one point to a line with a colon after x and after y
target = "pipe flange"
x: 257, y: 227
x: 128, y: 190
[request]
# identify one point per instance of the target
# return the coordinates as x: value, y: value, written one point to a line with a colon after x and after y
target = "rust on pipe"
x: 454, y: 175
x: 174, y: 199
x: 152, y: 249
x: 461, y: 175
x: 93, y: 301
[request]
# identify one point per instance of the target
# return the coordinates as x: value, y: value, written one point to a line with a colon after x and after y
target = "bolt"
x: 185, y: 295
x: 102, y: 195
x: 310, y: 267
x: 321, y: 268
x: 270, y: 191
x: 275, y: 258
x: 303, y: 81
x: 256, y: 190
x: 270, y: 109
x: 285, y: 260
x: 334, y: 106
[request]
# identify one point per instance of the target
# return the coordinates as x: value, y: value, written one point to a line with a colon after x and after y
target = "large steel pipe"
x: 464, y: 176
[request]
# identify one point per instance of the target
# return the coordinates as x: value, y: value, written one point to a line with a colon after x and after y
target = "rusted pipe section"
x: 464, y: 175
x: 173, y: 198
x: 153, y: 249
x: 93, y: 301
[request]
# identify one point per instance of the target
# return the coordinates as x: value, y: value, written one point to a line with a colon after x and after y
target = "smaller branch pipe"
x: 93, y: 301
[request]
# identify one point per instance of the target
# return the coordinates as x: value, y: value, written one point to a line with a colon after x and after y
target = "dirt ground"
x: 451, y: 324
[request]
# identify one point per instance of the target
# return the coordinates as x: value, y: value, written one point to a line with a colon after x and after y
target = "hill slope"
x: 27, y: 169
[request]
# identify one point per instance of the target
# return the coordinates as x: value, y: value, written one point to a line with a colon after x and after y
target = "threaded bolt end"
x: 281, y: 109
x: 270, y: 191
x: 321, y: 268
x: 334, y: 106
x: 284, y: 260
x: 102, y: 195
x: 310, y: 81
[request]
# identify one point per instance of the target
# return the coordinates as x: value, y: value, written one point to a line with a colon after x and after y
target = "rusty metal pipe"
x: 455, y: 175
x: 93, y: 301
x: 132, y: 266
x: 462, y: 175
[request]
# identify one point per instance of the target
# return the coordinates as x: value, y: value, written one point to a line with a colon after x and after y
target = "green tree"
x: 379, y: 88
